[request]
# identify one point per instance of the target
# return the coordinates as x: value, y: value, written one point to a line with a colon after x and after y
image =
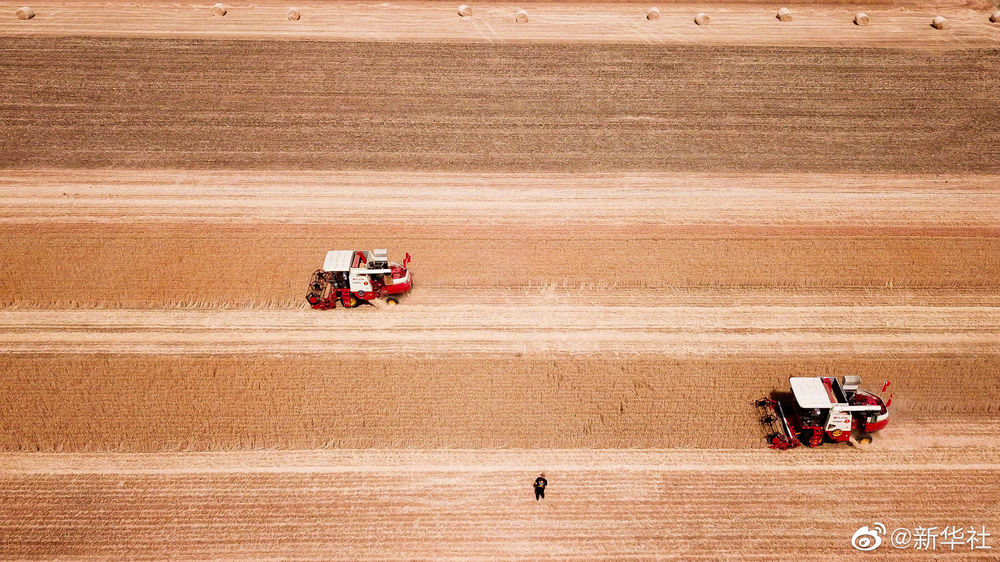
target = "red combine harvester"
x: 823, y: 409
x: 354, y: 276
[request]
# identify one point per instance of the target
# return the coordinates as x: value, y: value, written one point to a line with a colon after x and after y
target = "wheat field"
x: 229, y: 402
x: 623, y: 231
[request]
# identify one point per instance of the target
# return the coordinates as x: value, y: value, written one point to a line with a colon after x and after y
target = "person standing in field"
x: 540, y: 484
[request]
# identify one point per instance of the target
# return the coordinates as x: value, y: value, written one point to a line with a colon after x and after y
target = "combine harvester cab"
x: 823, y: 409
x: 355, y: 276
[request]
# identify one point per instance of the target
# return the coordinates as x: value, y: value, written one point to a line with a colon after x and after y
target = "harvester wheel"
x: 392, y: 301
x: 350, y: 301
x: 865, y: 439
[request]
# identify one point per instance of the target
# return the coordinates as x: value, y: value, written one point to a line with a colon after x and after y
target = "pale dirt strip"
x: 472, y: 329
x: 441, y: 198
x: 493, y: 22
x: 951, y: 454
x: 712, y: 505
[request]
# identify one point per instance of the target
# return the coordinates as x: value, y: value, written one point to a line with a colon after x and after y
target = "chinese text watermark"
x: 948, y: 537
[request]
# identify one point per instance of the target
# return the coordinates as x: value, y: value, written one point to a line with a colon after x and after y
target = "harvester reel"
x: 775, y: 426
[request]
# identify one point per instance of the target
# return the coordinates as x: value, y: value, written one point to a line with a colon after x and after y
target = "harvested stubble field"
x: 143, y: 103
x: 476, y: 504
x: 675, y: 504
x: 622, y: 234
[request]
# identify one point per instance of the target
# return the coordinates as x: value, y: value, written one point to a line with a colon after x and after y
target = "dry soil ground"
x: 623, y: 232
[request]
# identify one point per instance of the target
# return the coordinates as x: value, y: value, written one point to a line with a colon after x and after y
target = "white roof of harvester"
x: 338, y: 260
x: 810, y: 392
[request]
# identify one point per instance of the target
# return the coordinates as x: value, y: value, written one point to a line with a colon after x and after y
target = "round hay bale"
x: 995, y: 17
x: 293, y: 14
x: 25, y: 13
x: 465, y: 11
x: 701, y: 18
x: 939, y: 22
x: 219, y: 9
x: 784, y: 14
x: 653, y: 14
x: 521, y: 17
x: 861, y: 18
